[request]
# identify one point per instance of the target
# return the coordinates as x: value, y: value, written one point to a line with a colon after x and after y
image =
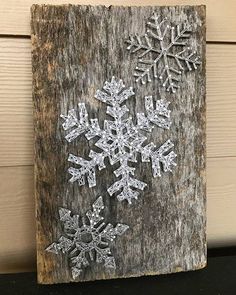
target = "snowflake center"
x: 87, y: 235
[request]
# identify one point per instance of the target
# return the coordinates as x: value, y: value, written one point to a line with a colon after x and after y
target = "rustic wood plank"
x: 17, y: 247
x: 16, y: 128
x: 16, y: 102
x: 15, y: 15
x: 75, y: 49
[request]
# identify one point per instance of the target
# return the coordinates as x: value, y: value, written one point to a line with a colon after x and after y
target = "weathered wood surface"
x: 17, y: 247
x: 15, y: 14
x: 76, y: 49
x: 16, y: 123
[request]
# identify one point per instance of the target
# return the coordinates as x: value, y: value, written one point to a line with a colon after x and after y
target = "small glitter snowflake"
x: 120, y: 140
x: 162, y: 53
x: 87, y: 240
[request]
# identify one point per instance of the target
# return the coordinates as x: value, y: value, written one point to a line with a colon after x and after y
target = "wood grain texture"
x: 16, y: 128
x: 75, y: 50
x: 15, y: 14
x: 17, y: 247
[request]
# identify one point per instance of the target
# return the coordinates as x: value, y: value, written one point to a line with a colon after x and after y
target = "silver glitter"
x: 157, y: 48
x: 120, y: 140
x: 87, y: 240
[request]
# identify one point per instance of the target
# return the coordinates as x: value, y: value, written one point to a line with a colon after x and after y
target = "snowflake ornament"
x: 162, y: 53
x: 87, y: 240
x: 120, y: 140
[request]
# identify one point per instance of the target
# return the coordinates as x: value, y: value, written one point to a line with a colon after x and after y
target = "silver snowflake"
x: 120, y: 140
x: 162, y: 53
x: 87, y: 240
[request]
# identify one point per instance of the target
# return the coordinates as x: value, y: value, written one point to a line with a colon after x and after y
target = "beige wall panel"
x: 221, y: 201
x: 17, y: 224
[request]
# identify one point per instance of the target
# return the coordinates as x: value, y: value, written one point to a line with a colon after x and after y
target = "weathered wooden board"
x: 16, y: 148
x: 15, y: 14
x: 17, y: 248
x: 75, y: 50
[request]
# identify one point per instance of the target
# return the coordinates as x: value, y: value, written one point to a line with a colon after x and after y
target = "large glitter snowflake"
x: 162, y: 53
x: 87, y: 240
x: 120, y: 140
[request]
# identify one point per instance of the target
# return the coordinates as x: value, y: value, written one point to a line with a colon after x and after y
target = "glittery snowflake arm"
x: 70, y: 223
x: 160, y: 115
x: 87, y: 168
x: 163, y: 155
x: 94, y: 214
x: 126, y: 185
x: 75, y: 126
x: 80, y: 125
x: 155, y: 47
x: 87, y: 241
x: 110, y: 232
x: 115, y: 93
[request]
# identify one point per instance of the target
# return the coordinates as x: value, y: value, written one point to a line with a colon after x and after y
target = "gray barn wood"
x: 75, y: 49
